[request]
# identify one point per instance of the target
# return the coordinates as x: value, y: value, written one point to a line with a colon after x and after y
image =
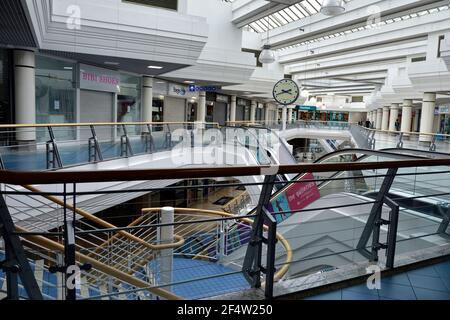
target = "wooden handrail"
x: 52, y: 177
x: 179, y: 240
x: 123, y: 276
x: 85, y: 124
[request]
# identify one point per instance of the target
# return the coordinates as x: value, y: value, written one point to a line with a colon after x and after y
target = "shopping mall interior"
x: 225, y: 150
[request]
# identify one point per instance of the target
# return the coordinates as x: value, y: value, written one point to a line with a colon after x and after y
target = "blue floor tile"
x: 397, y: 292
x: 429, y: 271
x: 425, y: 294
x: 396, y: 279
x: 446, y: 282
x: 362, y: 288
x: 425, y: 282
x: 351, y: 295
x: 334, y: 295
x: 443, y: 269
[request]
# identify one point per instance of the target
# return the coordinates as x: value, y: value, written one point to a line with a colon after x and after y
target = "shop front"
x: 6, y: 111
x: 242, y: 109
x: 443, y: 111
x: 259, y: 116
x: 310, y: 113
x: 217, y: 108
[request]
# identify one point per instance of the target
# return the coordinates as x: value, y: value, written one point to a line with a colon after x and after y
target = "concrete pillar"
x: 253, y: 111
x: 385, y: 119
x: 379, y: 118
x: 201, y: 107
x: 233, y: 109
x: 427, y: 117
x: 393, y: 116
x: 266, y: 114
x: 147, y: 99
x: 416, y: 119
x: 284, y: 117
x: 406, y: 115
x: 25, y: 93
x: 289, y: 115
x: 166, y: 236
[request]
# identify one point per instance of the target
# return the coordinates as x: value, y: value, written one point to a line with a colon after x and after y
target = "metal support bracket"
x: 252, y: 266
x: 125, y: 145
x: 375, y: 215
x: 148, y: 140
x: 52, y: 153
x: 15, y: 256
x: 400, y: 141
x: 95, y: 153
x: 433, y: 144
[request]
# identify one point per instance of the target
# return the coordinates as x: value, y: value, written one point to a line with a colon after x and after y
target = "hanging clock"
x: 286, y: 91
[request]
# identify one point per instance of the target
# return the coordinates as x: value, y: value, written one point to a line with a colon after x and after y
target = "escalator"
x: 327, y: 231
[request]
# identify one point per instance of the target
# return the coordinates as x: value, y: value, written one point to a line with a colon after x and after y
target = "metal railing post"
x: 433, y: 143
x: 375, y: 214
x: 53, y: 156
x: 252, y: 267
x: 125, y: 145
x: 392, y: 232
x: 148, y: 140
x: 16, y: 263
x: 400, y: 141
x: 94, y: 147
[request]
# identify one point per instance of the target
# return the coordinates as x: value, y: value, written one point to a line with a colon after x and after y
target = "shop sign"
x: 444, y: 109
x: 176, y: 90
x: 99, y: 79
x: 307, y: 108
x: 194, y: 88
x: 221, y: 98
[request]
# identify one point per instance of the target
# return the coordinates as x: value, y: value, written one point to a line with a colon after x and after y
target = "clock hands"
x: 289, y: 91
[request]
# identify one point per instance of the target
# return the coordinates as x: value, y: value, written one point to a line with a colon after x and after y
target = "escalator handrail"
x: 365, y: 152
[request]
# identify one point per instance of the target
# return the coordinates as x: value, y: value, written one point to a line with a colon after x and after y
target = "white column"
x: 406, y: 115
x: 427, y: 117
x: 233, y: 109
x: 166, y: 236
x: 25, y: 93
x: 416, y: 120
x: 147, y: 101
x: 393, y: 116
x: 253, y: 111
x: 385, y: 119
x: 266, y: 114
x: 379, y: 118
x: 284, y: 117
x: 201, y: 107
x: 289, y: 115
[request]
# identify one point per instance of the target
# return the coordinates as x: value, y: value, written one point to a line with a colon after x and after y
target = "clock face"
x: 285, y: 91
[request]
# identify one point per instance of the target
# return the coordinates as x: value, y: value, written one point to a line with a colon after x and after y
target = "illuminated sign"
x: 307, y: 108
x: 194, y: 88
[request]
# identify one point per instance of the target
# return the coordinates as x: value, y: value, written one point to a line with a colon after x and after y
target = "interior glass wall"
x: 6, y: 114
x: 55, y: 94
x: 129, y: 101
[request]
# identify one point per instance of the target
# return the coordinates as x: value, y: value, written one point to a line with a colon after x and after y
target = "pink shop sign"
x: 99, y: 79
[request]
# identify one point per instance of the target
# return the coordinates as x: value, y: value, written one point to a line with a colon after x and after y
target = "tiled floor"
x: 428, y: 283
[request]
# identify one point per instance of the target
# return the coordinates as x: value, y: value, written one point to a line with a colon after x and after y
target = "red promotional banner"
x: 297, y: 196
x: 301, y: 194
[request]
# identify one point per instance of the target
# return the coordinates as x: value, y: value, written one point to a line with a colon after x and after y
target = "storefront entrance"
x: 96, y: 106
